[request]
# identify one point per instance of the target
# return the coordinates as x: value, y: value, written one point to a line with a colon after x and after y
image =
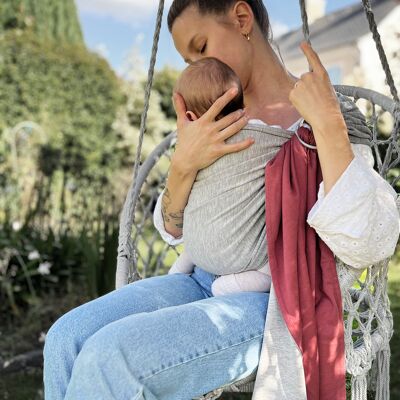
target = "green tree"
x: 48, y: 19
x: 49, y: 77
x: 163, y: 83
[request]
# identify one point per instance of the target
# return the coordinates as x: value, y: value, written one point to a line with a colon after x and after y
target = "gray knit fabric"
x: 224, y: 223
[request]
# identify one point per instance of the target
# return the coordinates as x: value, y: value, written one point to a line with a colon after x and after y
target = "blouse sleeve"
x: 159, y: 224
x: 358, y: 219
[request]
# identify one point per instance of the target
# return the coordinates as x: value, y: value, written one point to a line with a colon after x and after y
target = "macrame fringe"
x: 359, y: 387
x: 383, y: 374
x: 372, y: 376
x: 213, y: 395
x: 244, y: 385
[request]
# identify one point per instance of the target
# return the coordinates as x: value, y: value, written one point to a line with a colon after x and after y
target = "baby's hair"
x: 204, y: 81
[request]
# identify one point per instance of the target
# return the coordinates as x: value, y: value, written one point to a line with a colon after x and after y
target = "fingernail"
x: 234, y: 90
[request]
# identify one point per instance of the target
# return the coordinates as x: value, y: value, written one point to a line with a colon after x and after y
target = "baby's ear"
x: 191, y: 115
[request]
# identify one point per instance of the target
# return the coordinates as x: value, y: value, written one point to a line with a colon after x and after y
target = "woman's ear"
x: 243, y: 17
x: 191, y: 116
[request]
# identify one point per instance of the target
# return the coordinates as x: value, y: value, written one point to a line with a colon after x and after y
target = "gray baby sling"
x: 224, y: 220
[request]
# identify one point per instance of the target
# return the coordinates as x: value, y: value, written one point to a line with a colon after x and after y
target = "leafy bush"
x: 47, y: 19
x: 72, y: 93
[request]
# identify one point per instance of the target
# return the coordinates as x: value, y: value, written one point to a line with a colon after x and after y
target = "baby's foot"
x: 247, y: 281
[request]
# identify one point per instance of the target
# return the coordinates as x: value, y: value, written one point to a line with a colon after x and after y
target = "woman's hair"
x: 220, y: 7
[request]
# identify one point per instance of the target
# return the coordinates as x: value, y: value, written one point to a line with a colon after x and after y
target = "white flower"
x: 16, y: 225
x: 33, y: 255
x: 42, y: 337
x: 13, y: 270
x: 44, y: 268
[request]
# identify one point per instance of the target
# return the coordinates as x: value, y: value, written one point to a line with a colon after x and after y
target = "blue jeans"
x: 162, y: 337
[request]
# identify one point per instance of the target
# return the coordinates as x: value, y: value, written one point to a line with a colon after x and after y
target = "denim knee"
x: 102, y: 370
x: 57, y: 337
x: 63, y: 335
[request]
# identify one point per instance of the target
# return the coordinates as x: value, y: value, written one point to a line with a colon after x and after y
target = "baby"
x: 201, y: 84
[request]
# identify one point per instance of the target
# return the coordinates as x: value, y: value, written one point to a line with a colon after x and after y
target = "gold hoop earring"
x: 247, y: 36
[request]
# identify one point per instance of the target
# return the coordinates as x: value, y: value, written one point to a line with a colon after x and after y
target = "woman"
x: 166, y: 337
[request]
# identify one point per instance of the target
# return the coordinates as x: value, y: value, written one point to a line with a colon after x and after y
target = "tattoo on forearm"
x: 176, y: 216
x: 165, y: 201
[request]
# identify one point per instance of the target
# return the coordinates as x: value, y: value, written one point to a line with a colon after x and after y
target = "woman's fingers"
x: 219, y: 104
x: 180, y: 109
x: 234, y: 147
x: 233, y: 128
x: 228, y: 119
x: 225, y: 148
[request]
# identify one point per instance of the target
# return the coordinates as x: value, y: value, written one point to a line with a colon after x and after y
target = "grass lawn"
x: 394, y: 296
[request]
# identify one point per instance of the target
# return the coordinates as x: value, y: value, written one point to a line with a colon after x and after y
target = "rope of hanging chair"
x: 150, y: 76
x: 382, y: 55
x: 126, y: 250
x: 393, y: 90
x: 375, y: 34
x: 304, y: 18
x: 306, y: 31
x: 389, y: 78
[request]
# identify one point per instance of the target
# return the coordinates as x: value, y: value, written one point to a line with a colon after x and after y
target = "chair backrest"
x: 376, y: 105
x: 143, y: 246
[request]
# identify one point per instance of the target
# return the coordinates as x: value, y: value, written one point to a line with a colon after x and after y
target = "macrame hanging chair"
x: 366, y: 309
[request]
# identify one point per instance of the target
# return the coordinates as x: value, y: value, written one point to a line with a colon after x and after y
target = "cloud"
x: 139, y: 38
x: 131, y: 11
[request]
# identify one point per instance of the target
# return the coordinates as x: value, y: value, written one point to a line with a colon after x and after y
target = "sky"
x: 118, y: 28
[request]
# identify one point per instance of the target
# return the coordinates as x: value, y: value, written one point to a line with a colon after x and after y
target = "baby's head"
x: 203, y: 82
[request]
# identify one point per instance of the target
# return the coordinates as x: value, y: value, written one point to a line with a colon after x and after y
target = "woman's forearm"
x: 175, y: 197
x: 334, y: 151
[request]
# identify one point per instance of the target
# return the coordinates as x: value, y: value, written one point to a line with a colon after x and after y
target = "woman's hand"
x: 201, y: 142
x: 314, y: 96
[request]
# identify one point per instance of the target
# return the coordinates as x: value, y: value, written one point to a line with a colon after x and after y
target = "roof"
x: 336, y: 29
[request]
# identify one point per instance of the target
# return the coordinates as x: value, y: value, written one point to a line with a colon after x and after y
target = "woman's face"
x: 197, y: 36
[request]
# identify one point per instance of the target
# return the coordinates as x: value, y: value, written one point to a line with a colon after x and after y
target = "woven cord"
x: 126, y: 248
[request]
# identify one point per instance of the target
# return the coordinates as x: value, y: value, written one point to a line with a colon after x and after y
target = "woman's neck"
x: 266, y: 95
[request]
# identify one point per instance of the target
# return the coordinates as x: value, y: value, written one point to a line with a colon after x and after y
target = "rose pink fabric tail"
x: 303, y: 268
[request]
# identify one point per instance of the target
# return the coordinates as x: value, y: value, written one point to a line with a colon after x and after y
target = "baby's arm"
x: 246, y: 281
x: 182, y: 264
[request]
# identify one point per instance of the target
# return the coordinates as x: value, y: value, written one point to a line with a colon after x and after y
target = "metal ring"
x: 310, y: 146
